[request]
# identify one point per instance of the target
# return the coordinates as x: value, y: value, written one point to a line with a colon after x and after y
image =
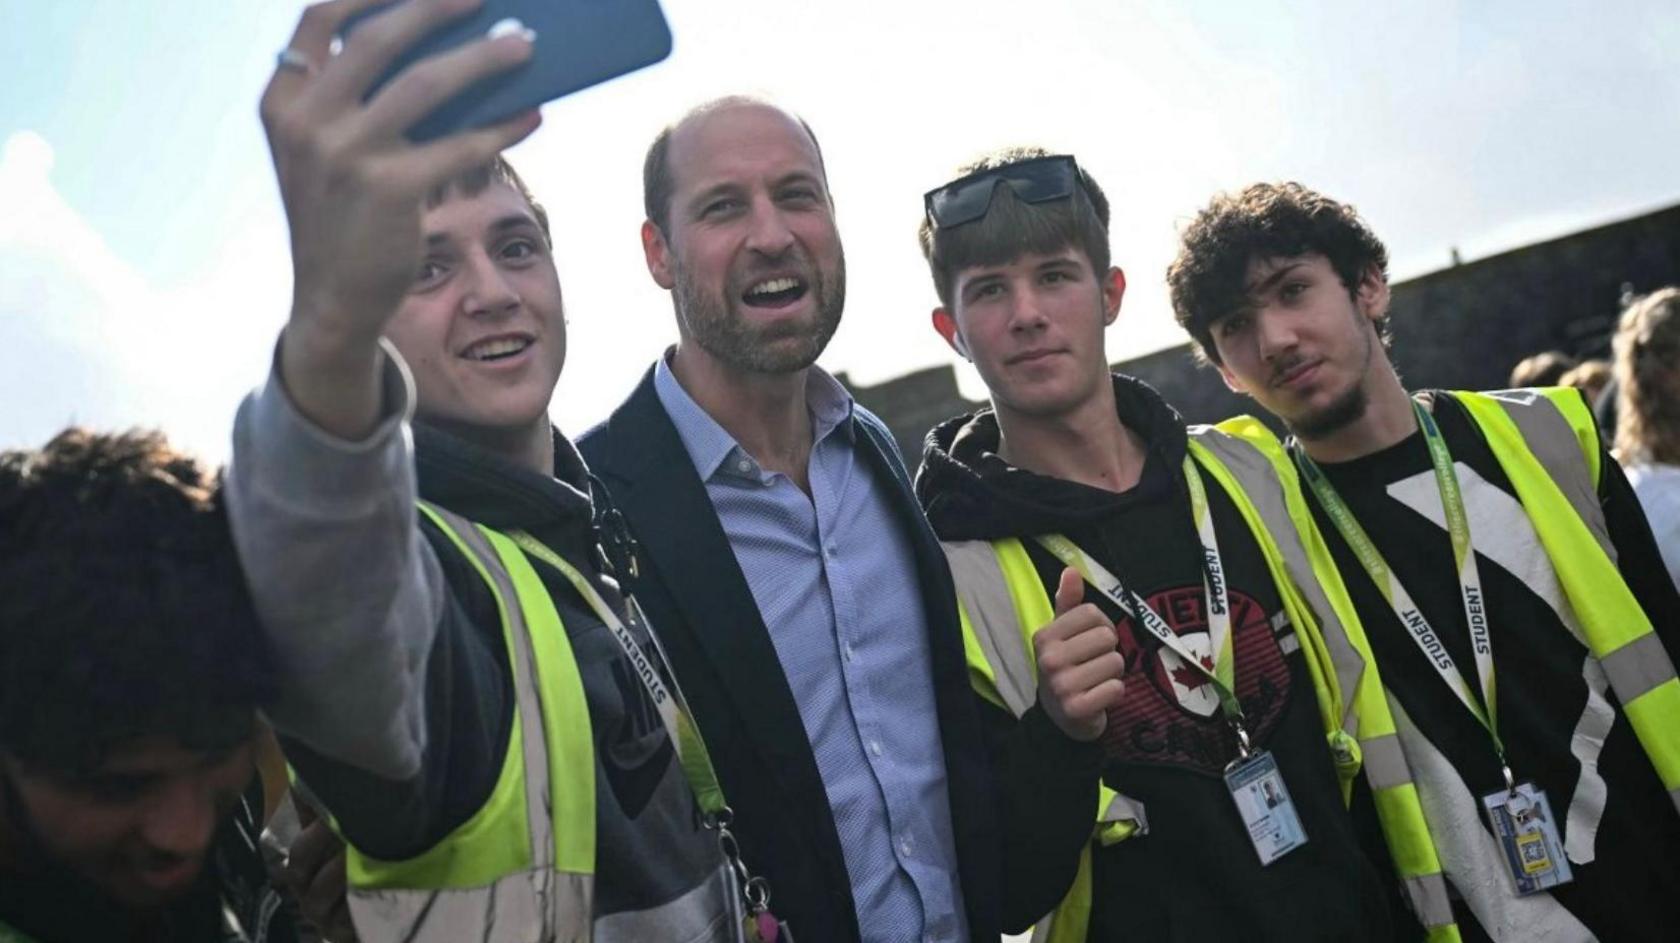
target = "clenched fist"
x: 1078, y: 664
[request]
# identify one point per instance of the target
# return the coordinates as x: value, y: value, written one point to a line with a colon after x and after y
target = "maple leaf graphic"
x: 1189, y: 677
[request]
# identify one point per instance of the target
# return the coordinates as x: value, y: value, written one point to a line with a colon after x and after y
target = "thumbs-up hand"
x: 1078, y: 664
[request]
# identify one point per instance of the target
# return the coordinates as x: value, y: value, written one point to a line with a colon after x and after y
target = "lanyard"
x: 678, y: 718
x: 673, y: 707
x: 679, y: 723
x: 1220, y: 668
x: 1469, y: 578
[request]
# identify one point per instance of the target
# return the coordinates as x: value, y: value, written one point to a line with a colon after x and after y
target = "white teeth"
x: 774, y: 285
x: 496, y: 348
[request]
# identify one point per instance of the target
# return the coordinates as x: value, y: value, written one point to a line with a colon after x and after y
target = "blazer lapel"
x: 687, y: 558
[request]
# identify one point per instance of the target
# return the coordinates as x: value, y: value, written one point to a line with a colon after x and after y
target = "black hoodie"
x: 1194, y: 875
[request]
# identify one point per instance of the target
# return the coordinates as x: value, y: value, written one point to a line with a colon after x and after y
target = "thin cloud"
x: 85, y: 337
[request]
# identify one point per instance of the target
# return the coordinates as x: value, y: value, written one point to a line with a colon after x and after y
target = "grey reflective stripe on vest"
x: 525, y: 687
x: 1638, y: 666
x: 535, y: 906
x: 1258, y: 480
x: 1431, y: 903
x: 1385, y: 762
x: 984, y: 595
x: 1124, y: 808
x: 1644, y: 663
x: 1551, y: 438
x: 694, y: 917
x: 527, y: 907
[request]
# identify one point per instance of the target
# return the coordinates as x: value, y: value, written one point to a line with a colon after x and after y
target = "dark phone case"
x: 579, y: 43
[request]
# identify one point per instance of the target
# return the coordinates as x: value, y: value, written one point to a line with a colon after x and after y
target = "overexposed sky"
x: 143, y: 261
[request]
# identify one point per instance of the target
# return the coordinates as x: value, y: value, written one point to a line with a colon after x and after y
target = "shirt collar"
x: 714, y: 451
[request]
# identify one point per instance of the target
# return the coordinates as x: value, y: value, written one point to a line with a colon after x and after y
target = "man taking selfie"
x: 464, y: 688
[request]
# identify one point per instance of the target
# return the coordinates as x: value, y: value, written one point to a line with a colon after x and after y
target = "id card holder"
x: 1527, y: 833
x: 1263, y: 802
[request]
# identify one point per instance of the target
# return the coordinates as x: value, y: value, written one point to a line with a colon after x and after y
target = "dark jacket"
x: 378, y: 616
x: 699, y: 602
x: 1194, y: 874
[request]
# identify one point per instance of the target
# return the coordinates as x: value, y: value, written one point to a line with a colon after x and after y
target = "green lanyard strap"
x: 1220, y: 668
x: 678, y: 718
x: 673, y: 707
x: 1469, y: 577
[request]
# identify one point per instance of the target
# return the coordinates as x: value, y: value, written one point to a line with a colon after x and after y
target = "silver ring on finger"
x: 293, y: 60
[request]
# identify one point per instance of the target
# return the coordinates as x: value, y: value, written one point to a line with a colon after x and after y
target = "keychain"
x: 760, y: 924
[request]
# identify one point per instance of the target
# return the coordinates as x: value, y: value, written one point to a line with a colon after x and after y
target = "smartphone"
x: 579, y: 43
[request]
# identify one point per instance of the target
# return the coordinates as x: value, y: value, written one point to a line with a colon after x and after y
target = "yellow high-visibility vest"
x: 1003, y: 602
x: 522, y: 867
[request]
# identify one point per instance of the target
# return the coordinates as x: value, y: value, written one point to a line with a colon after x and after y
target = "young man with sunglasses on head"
x: 464, y: 688
x: 1152, y: 685
x: 1507, y: 614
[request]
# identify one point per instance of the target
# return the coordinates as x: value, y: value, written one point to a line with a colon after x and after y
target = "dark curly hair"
x: 123, y: 611
x: 1012, y: 228
x: 1265, y: 220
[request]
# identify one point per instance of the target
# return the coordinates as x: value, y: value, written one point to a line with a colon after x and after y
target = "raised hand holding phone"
x: 353, y: 185
x: 585, y: 42
x: 1079, y: 665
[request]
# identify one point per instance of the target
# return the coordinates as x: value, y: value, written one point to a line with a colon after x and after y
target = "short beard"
x: 717, y: 327
x: 1348, y: 409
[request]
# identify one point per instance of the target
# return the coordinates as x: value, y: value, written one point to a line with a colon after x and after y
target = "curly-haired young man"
x: 131, y: 670
x: 1476, y: 537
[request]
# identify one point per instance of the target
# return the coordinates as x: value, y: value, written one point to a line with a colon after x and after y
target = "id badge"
x: 1528, y: 834
x: 1264, y: 804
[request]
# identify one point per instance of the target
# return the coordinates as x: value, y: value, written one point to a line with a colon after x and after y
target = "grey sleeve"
x: 349, y: 593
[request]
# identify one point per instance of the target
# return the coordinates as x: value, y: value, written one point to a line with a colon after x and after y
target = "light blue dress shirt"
x: 834, y: 577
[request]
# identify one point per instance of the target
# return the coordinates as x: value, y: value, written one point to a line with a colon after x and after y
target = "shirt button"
x: 849, y: 654
x: 743, y: 466
x: 905, y: 846
x: 875, y: 747
x: 832, y: 553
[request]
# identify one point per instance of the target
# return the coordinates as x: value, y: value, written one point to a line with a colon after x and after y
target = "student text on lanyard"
x: 1220, y: 670
x: 1253, y: 779
x: 1520, y: 815
x: 761, y: 925
x: 1410, y: 616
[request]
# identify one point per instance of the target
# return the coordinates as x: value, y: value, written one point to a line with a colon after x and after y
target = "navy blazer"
x: 699, y: 602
